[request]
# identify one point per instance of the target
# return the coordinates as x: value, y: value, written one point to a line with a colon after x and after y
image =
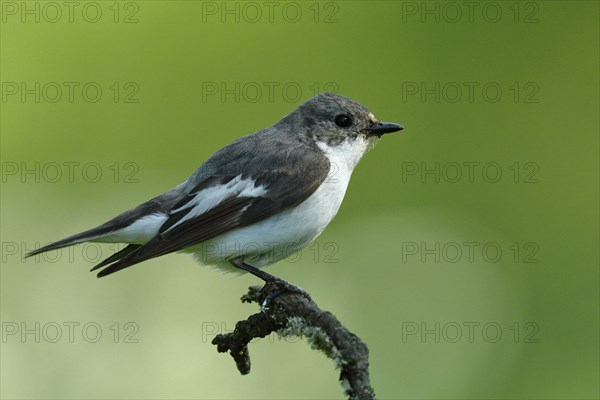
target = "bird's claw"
x: 275, y: 288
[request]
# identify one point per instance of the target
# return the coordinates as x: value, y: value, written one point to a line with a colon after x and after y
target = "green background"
x: 374, y: 266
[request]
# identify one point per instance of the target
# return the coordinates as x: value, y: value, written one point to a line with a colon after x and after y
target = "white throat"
x: 346, y: 155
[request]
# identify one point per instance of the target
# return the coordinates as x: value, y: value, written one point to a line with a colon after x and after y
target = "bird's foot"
x: 276, y: 288
x: 272, y: 288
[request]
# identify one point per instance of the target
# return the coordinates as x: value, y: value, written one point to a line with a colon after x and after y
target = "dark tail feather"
x: 117, y: 256
x: 69, y: 241
x: 119, y: 265
x: 130, y: 256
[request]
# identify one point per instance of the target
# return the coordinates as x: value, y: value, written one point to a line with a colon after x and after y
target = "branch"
x: 289, y: 310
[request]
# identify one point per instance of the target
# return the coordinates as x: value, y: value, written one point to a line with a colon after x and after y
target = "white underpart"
x: 279, y: 236
x: 141, y: 231
x: 348, y: 153
x: 210, y: 197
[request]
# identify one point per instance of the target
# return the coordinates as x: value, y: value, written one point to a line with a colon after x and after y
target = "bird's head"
x: 334, y: 119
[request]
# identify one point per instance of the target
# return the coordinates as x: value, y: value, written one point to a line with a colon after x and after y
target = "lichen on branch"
x: 290, y: 311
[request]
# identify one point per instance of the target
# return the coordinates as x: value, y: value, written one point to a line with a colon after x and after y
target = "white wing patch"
x: 211, y: 197
x: 141, y: 231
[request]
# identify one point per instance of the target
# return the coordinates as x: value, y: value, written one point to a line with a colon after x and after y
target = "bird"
x: 255, y: 201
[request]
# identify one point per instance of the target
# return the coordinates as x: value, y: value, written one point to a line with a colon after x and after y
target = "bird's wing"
x: 222, y: 203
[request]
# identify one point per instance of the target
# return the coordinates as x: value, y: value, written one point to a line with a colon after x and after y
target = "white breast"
x: 277, y: 237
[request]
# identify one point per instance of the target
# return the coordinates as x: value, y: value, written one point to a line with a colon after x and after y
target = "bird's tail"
x: 86, y: 236
x: 117, y: 256
x: 134, y: 226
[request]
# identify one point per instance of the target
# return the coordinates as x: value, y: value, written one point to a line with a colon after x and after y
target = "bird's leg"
x: 265, y: 276
x: 271, y: 281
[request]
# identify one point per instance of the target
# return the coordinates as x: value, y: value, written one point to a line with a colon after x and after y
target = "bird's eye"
x: 343, y: 121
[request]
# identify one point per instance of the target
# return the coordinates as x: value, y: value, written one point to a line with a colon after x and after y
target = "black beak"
x: 384, y: 127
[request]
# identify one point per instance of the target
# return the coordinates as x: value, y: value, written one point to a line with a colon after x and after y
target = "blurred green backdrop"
x: 465, y: 253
